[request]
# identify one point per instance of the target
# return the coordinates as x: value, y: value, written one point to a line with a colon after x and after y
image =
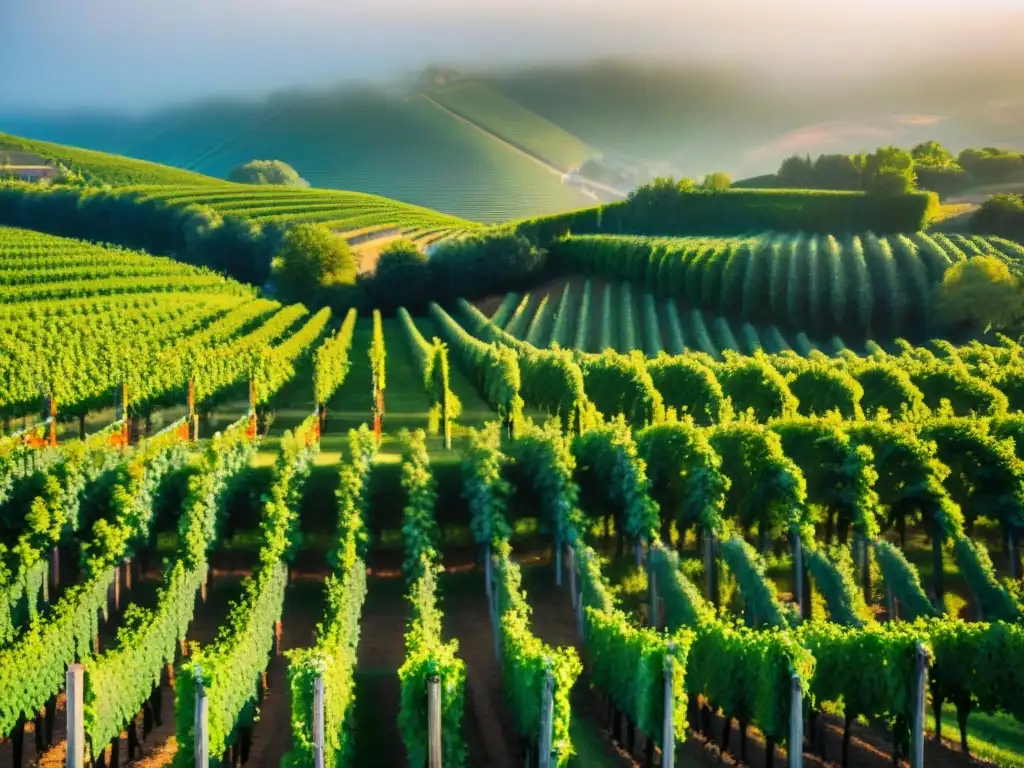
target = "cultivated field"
x: 695, y: 497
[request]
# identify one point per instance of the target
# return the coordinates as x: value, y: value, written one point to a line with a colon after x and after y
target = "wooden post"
x: 890, y: 604
x: 128, y: 573
x: 434, y: 721
x: 193, y: 422
x: 917, y: 721
x: 75, y: 683
x: 639, y: 553
x: 318, y: 722
x: 52, y: 401
x: 796, y: 724
x: 54, y: 570
x: 201, y: 733
x: 547, y: 720
x: 668, y: 735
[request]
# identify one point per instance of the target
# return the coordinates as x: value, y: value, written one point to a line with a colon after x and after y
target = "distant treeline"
x: 492, y: 261
x: 928, y: 166
x: 670, y: 207
x: 193, y: 234
x: 1001, y: 215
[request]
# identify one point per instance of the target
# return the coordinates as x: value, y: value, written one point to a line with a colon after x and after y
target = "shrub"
x: 267, y: 172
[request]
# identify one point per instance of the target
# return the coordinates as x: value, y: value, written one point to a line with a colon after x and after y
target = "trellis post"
x: 917, y: 720
x: 201, y: 733
x: 547, y: 715
x: 434, y: 721
x: 796, y: 724
x: 75, y: 685
x: 318, y: 722
x: 668, y: 735
x: 654, y: 614
x: 558, y: 560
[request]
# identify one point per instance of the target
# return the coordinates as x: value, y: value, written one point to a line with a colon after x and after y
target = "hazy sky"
x: 143, y: 53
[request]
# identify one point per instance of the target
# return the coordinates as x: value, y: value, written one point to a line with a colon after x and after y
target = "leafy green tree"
x: 932, y: 154
x: 267, y: 172
x: 1001, y: 215
x: 992, y: 166
x: 717, y: 181
x: 982, y: 293
x: 838, y: 172
x: 889, y: 171
x: 796, y: 172
x: 402, y: 271
x: 311, y: 258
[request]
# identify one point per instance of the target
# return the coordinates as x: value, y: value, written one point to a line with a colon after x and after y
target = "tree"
x: 992, y: 166
x: 889, y: 171
x: 838, y: 172
x: 932, y: 154
x: 1001, y: 215
x: 402, y: 273
x: 717, y: 181
x: 312, y: 258
x: 981, y: 292
x: 796, y: 172
x: 267, y: 172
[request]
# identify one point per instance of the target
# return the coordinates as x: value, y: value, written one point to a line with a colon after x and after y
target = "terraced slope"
x: 78, y: 320
x: 864, y: 286
x: 355, y: 214
x: 103, y: 168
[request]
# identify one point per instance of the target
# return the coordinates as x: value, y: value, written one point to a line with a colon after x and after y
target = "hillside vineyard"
x: 644, y: 499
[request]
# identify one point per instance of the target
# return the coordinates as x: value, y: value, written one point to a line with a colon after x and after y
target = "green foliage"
x: 669, y: 208
x: 402, y: 270
x: 994, y: 601
x: 420, y: 531
x: 493, y: 368
x: 310, y: 259
x: 902, y: 578
x: 1001, y: 215
x: 768, y: 490
x: 820, y: 388
x: 689, y: 386
x: 870, y: 669
x: 551, y: 379
x: 763, y: 605
x: 752, y: 382
x: 104, y: 168
x: 833, y: 574
x: 229, y: 668
x: 274, y: 367
x: 744, y: 672
x: 267, y: 172
x: 331, y: 360
x: 840, y: 474
x: 485, y: 490
x: 545, y: 456
x: 607, y: 456
x: 432, y: 360
x: 685, y: 475
x: 378, y: 356
x: 620, y: 385
x: 889, y: 387
x: 337, y: 638
x: 981, y: 293
x: 526, y: 661
x: 426, y: 655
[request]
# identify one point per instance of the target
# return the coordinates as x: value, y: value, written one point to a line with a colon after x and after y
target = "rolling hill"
x: 394, y: 143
